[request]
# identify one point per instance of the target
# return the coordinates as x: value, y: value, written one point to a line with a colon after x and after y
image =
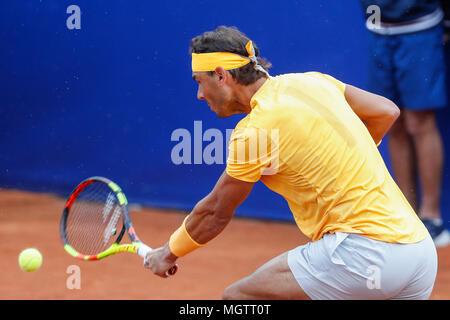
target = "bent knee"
x: 420, y: 122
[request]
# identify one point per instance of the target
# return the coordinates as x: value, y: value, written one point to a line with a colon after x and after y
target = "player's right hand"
x: 160, y: 260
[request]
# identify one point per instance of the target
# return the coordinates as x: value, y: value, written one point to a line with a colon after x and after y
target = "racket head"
x: 95, y: 219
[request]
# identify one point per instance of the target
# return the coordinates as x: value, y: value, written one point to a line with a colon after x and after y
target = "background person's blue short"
x: 409, y: 69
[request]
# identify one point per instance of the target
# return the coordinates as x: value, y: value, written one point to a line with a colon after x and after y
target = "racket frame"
x: 116, y: 247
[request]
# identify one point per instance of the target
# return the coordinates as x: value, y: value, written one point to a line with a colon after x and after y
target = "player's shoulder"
x: 299, y: 76
x: 324, y: 79
x: 287, y: 90
x: 283, y: 81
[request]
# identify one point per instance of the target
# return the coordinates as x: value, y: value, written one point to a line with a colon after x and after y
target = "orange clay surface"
x: 32, y: 220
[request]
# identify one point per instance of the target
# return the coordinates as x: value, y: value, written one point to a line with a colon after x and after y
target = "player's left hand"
x: 160, y: 260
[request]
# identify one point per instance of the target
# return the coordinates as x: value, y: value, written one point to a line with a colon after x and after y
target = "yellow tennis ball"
x: 30, y: 259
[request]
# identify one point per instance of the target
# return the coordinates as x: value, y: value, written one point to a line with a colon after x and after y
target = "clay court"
x: 32, y: 220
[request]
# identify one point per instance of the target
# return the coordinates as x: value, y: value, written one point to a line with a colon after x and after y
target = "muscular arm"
x: 378, y: 113
x: 211, y: 215
x: 208, y: 218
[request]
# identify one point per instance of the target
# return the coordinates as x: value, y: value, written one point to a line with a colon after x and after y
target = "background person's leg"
x: 403, y: 160
x: 422, y: 127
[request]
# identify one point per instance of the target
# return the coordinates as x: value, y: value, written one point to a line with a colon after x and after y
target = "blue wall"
x: 105, y: 99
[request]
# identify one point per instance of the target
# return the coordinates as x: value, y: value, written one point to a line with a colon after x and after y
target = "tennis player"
x: 313, y: 140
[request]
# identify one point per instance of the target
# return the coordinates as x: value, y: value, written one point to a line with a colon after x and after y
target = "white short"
x: 350, y: 266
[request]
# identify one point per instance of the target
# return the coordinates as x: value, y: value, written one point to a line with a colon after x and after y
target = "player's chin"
x: 221, y: 115
x: 220, y: 112
x: 217, y: 112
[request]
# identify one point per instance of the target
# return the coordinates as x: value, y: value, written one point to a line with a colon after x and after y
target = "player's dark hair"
x: 230, y: 39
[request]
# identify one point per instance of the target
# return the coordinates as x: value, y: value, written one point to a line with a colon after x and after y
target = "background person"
x: 406, y: 65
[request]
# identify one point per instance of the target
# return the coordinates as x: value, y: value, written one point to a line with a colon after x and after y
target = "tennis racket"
x: 94, y: 221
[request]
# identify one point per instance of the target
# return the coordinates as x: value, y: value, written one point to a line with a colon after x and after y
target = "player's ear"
x: 222, y: 75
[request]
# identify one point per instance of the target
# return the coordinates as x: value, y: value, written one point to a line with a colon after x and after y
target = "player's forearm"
x: 210, y: 216
x: 207, y: 220
x: 203, y: 224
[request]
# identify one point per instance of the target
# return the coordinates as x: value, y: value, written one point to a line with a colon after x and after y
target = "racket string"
x: 94, y: 219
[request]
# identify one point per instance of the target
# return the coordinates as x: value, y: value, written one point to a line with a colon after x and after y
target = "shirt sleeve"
x: 252, y: 153
x: 338, y: 84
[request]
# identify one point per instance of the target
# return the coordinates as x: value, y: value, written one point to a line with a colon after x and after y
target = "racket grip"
x: 142, y: 251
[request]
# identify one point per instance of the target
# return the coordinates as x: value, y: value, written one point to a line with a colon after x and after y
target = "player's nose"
x: 200, y: 95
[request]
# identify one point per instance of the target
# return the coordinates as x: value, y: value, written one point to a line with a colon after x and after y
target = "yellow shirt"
x: 303, y: 141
